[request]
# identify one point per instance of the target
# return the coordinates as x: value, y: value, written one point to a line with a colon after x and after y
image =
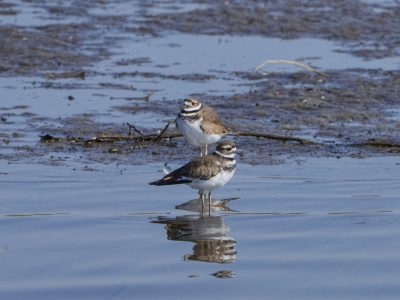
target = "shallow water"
x: 320, y: 228
x: 182, y: 54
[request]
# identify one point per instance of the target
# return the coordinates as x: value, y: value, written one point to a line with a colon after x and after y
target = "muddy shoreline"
x: 366, y: 30
x: 346, y: 107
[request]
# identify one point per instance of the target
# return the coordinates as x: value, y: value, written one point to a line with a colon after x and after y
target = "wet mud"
x: 35, y: 50
x: 367, y: 29
x: 351, y: 112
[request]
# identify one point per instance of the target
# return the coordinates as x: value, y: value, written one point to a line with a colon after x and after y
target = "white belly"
x: 217, y: 181
x: 194, y: 135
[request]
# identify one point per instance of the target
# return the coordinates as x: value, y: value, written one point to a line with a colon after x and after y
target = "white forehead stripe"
x: 232, y: 155
x: 197, y: 107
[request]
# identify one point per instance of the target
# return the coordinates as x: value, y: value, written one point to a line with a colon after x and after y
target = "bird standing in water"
x: 205, y: 173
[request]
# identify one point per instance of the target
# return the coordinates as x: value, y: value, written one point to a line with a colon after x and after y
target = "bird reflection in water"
x: 209, y: 233
x: 195, y: 205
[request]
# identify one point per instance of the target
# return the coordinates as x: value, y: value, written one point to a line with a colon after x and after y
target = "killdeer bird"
x: 205, y: 173
x: 200, y: 124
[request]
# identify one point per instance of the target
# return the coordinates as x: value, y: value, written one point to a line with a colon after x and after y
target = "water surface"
x: 320, y: 228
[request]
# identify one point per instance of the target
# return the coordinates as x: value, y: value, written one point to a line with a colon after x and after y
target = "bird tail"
x: 167, y: 169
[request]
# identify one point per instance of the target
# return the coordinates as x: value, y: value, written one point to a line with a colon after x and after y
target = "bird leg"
x: 209, y: 203
x: 205, y: 149
x: 203, y: 195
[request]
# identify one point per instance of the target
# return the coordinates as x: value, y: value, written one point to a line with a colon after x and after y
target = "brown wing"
x: 201, y: 168
x: 212, y: 122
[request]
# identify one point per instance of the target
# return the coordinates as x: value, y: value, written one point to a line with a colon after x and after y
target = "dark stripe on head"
x: 190, y: 112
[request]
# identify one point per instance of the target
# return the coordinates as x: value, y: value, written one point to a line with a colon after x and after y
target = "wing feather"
x: 212, y: 121
x: 201, y: 168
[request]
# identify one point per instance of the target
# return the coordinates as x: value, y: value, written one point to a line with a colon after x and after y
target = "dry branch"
x: 377, y: 144
x: 127, y: 138
x: 274, y: 137
x: 130, y: 126
x: 163, y: 135
x: 162, y: 132
x: 289, y: 62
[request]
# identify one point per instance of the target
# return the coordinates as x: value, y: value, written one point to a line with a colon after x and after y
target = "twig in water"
x: 126, y: 138
x: 130, y: 126
x: 274, y: 137
x: 377, y: 144
x: 289, y: 62
x: 161, y: 133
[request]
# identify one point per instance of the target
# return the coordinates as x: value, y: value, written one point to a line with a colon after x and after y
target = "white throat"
x: 232, y: 155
